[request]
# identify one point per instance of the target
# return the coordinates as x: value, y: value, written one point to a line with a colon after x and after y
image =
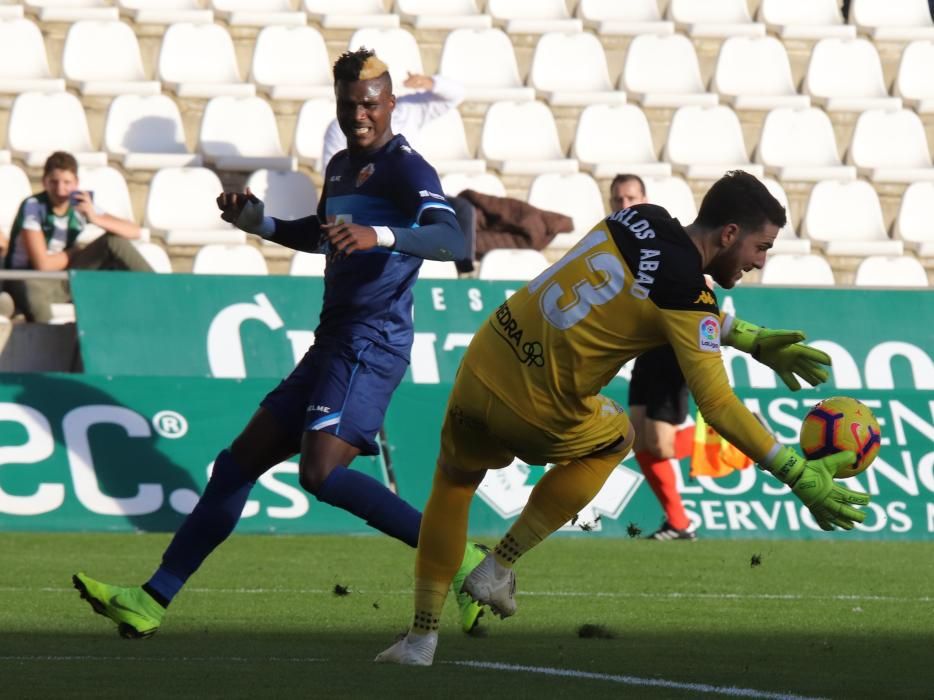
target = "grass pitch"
x: 597, y: 618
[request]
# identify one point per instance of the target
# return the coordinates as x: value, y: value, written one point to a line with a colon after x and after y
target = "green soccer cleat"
x: 470, y: 610
x: 134, y: 611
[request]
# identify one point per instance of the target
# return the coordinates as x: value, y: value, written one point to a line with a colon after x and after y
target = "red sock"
x: 661, y: 477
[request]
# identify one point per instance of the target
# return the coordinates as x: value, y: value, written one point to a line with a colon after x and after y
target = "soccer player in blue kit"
x: 381, y: 213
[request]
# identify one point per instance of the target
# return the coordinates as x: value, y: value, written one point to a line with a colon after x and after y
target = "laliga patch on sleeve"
x: 708, y: 334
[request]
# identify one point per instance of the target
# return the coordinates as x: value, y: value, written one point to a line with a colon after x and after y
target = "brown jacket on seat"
x: 504, y: 222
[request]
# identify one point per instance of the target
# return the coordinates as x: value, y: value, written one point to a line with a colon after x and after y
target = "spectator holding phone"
x: 44, y: 234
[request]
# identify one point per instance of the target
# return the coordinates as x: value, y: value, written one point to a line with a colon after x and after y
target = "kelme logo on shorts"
x: 709, y: 334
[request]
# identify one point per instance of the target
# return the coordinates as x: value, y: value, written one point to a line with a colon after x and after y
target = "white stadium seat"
x: 890, y: 146
x: 14, y: 188
x: 155, y: 255
x: 257, y: 13
x: 181, y: 208
x: 307, y: 264
x: 71, y: 10
x: 240, y: 133
x: 41, y: 123
x: 437, y: 270
x: 512, y: 264
x: 663, y: 71
x: 103, y: 58
x: 754, y: 73
x: 146, y: 133
x: 714, y: 18
x: 524, y: 17
x: 576, y: 195
x: 453, y: 184
x: 893, y: 20
x: 805, y: 19
x: 799, y: 145
x: 915, y: 80
x: 286, y: 194
x: 705, y: 142
x: 569, y: 68
x: 845, y: 218
x: 522, y: 138
x: 165, y: 11
x: 110, y: 194
x: 845, y: 75
x: 198, y: 60
x: 8, y: 11
x: 626, y: 17
x: 443, y: 143
x: 483, y: 61
x: 787, y: 240
x: 890, y: 271
x: 312, y: 122
x: 396, y: 47
x: 233, y: 259
x: 674, y: 194
x: 24, y: 65
x: 806, y: 270
x: 350, y: 14
x: 915, y: 222
x: 291, y: 63
x: 629, y: 149
x: 442, y: 14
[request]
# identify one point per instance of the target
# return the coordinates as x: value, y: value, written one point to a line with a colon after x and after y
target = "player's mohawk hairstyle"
x: 362, y: 64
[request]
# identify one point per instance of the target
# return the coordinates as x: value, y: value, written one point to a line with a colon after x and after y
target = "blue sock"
x: 209, y: 524
x: 367, y: 498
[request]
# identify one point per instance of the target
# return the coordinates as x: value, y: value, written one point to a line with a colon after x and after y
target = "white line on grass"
x: 164, y: 659
x: 731, y: 691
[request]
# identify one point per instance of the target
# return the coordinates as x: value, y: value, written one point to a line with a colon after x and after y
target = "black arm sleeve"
x: 301, y: 234
x: 437, y: 238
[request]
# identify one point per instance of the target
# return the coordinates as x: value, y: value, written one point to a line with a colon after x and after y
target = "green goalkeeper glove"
x: 783, y: 351
x: 812, y: 482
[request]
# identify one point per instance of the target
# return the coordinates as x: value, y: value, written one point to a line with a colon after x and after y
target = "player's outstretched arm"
x: 782, y: 350
x: 438, y: 237
x: 246, y: 211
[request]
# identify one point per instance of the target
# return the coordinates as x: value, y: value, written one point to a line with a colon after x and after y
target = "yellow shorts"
x: 482, y: 432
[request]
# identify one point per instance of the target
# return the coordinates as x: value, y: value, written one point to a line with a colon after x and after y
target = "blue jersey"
x: 369, y: 293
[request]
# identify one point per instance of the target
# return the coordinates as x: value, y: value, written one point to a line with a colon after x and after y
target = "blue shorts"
x: 340, y: 387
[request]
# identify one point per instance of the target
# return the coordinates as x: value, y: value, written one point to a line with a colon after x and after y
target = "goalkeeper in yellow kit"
x: 529, y: 385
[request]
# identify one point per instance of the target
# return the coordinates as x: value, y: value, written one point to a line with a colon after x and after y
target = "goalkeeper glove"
x: 781, y: 350
x: 812, y: 482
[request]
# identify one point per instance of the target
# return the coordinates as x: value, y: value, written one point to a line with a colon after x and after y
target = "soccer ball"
x: 841, y: 423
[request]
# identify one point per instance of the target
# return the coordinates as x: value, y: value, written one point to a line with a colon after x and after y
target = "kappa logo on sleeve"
x: 433, y: 195
x: 709, y: 334
x: 706, y: 298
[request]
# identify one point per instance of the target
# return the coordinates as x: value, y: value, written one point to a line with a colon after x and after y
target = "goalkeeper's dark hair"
x: 740, y: 198
x: 362, y: 64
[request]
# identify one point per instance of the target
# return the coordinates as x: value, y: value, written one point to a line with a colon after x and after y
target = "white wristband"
x: 385, y: 238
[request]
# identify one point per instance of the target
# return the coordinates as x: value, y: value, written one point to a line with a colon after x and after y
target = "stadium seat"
x: 576, y: 195
x: 155, y: 255
x: 483, y: 61
x: 181, y: 208
x: 799, y: 145
x: 291, y: 63
x: 674, y: 194
x: 350, y: 14
x: 613, y: 139
x: 437, y: 270
x: 511, y: 264
x: 287, y: 194
x: 915, y: 80
x: 523, y: 17
x: 915, y: 222
x: 807, y: 270
x: 146, y: 133
x: 223, y: 259
x: 71, y: 10
x: 453, y: 184
x: 257, y: 13
x: 103, y: 58
x: 110, y: 194
x: 14, y: 188
x: 663, y: 71
x: 890, y: 146
x: 313, y: 120
x: 845, y: 218
x: 893, y: 20
x: 198, y: 60
x: 240, y: 133
x: 754, y: 73
x: 890, y: 271
x: 787, y: 240
x: 24, y: 65
x: 442, y: 14
x: 714, y: 18
x: 570, y: 69
x: 705, y: 142
x: 626, y: 17
x: 396, y: 47
x: 8, y: 11
x: 307, y: 264
x: 522, y: 138
x: 165, y: 11
x: 41, y: 123
x: 845, y: 75
x: 443, y: 143
x: 805, y: 19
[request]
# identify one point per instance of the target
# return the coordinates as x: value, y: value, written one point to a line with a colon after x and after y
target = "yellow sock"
x: 558, y: 497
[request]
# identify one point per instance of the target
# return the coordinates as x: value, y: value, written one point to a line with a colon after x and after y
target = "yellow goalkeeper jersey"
x: 632, y: 283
